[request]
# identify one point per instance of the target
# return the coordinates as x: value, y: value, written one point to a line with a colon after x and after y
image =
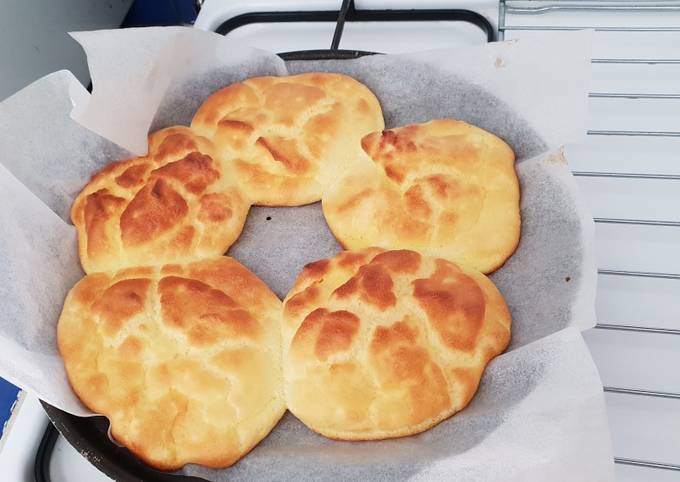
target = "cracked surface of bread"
x: 177, y: 204
x: 183, y: 360
x: 380, y: 344
x: 287, y: 137
x: 443, y: 187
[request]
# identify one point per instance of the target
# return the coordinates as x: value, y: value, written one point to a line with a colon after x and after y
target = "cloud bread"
x: 443, y: 187
x: 176, y: 204
x: 381, y: 344
x: 183, y: 360
x: 287, y: 137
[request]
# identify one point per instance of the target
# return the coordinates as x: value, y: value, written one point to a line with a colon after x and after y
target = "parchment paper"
x: 539, y: 414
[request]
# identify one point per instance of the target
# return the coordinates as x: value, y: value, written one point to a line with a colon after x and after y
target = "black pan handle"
x: 41, y: 465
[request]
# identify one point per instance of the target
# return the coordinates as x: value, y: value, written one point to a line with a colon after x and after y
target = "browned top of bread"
x: 286, y: 137
x: 176, y: 204
x: 183, y: 360
x: 443, y: 187
x: 381, y: 344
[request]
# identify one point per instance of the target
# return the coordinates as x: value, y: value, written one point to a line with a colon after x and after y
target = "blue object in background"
x: 145, y: 13
x: 8, y: 397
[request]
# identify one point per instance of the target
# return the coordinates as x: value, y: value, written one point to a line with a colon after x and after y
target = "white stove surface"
x: 645, y: 428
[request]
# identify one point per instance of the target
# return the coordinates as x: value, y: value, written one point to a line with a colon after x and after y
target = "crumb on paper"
x: 558, y: 157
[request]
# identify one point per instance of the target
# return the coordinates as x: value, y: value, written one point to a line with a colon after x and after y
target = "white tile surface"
x: 18, y: 453
x: 635, y: 114
x: 650, y: 302
x: 638, y: 360
x: 632, y: 198
x: 646, y: 45
x: 626, y: 473
x: 638, y: 248
x: 645, y: 155
x: 645, y: 428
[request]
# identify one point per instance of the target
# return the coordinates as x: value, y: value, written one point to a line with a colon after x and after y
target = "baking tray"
x: 89, y: 435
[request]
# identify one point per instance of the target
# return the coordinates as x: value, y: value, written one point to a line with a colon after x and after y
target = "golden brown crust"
x: 183, y: 360
x: 443, y: 187
x: 381, y: 344
x: 176, y: 204
x: 287, y: 137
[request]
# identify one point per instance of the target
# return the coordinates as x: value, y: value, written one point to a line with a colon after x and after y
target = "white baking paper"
x: 138, y: 74
x: 539, y: 414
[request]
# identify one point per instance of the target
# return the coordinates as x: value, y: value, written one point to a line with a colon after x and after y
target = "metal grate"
x: 627, y: 10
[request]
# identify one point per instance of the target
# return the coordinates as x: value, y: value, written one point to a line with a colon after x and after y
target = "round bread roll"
x: 444, y: 187
x: 183, y: 360
x: 177, y: 204
x: 381, y: 344
x: 287, y: 137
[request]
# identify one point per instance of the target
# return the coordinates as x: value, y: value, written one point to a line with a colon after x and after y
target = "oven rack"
x: 526, y: 8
